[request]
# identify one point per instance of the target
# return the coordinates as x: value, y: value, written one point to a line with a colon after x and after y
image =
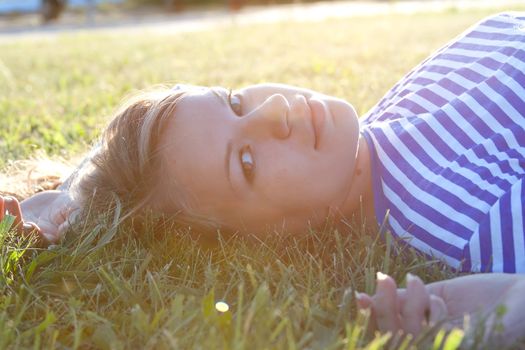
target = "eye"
x: 235, y: 103
x: 247, y: 163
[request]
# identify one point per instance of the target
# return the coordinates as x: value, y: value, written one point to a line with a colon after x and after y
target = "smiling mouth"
x: 318, y: 118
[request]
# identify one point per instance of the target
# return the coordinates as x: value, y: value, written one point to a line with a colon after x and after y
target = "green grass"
x: 56, y: 93
x: 157, y: 290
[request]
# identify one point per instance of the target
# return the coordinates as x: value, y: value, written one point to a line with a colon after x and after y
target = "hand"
x: 410, y: 310
x: 11, y: 206
x: 50, y: 210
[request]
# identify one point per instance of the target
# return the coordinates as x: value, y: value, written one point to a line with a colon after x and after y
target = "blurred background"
x: 20, y: 15
x: 65, y: 65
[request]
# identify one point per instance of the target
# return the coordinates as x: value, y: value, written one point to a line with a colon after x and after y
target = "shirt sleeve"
x: 499, y: 243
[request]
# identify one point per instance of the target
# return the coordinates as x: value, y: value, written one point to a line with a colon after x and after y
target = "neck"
x: 358, y: 207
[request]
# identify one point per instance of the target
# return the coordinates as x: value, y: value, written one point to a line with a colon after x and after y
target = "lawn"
x: 110, y: 289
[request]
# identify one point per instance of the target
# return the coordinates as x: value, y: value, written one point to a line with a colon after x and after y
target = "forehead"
x: 193, y: 146
x: 198, y: 118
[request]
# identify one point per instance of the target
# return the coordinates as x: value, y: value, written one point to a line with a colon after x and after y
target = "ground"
x: 114, y: 289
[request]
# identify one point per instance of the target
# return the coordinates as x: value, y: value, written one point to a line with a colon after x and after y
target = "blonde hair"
x: 123, y: 169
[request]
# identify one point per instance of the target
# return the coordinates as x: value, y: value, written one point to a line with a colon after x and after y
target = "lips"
x: 318, y: 119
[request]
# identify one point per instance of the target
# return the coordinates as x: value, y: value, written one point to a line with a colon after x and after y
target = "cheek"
x: 291, y: 179
x: 283, y: 165
x: 296, y: 180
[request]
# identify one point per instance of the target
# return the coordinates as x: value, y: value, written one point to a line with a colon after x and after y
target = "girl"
x: 439, y: 161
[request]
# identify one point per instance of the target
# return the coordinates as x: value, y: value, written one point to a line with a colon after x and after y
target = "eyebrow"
x: 219, y: 95
x: 227, y: 157
x: 227, y: 154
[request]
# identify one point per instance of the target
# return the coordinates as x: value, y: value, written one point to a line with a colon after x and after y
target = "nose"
x: 269, y: 119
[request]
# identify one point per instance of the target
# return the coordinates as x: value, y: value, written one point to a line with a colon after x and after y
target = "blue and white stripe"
x: 447, y: 149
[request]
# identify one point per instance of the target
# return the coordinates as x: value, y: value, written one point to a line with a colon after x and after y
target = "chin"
x: 347, y: 110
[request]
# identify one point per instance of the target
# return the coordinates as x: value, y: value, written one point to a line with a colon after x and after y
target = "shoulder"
x: 503, y: 19
x: 509, y: 16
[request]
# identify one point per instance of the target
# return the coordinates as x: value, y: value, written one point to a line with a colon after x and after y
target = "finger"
x: 12, y: 206
x: 49, y: 238
x: 63, y: 227
x: 417, y: 306
x: 401, y: 299
x: 363, y: 301
x: 65, y: 208
x: 34, y: 230
x: 29, y: 227
x: 53, y: 235
x: 438, y: 310
x: 385, y: 304
x: 74, y: 216
x: 46, y: 232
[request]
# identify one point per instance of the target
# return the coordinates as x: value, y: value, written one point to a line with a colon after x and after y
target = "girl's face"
x: 264, y: 157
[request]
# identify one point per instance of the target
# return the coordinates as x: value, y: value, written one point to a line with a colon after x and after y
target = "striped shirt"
x: 447, y: 147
